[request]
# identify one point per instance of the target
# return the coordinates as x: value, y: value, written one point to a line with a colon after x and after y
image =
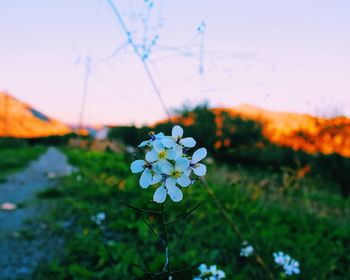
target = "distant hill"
x: 300, y: 131
x: 20, y: 120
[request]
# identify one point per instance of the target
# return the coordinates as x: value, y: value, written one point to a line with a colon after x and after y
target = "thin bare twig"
x: 185, y: 215
x: 154, y: 232
x: 187, y: 268
x: 166, y: 240
x: 144, y: 270
x: 181, y: 235
x: 137, y: 53
x: 149, y: 211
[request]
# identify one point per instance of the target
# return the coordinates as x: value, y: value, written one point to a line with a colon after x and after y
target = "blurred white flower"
x: 99, y: 218
x: 130, y: 149
x: 289, y: 265
x: 211, y: 273
x: 247, y: 251
x: 279, y: 258
x: 292, y: 267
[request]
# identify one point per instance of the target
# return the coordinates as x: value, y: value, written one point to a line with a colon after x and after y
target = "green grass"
x: 15, y: 158
x: 274, y: 210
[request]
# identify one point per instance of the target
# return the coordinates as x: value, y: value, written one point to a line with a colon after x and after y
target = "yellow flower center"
x: 162, y: 155
x: 176, y: 174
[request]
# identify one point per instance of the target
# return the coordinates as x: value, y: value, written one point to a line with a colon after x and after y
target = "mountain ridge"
x: 299, y: 131
x: 20, y: 120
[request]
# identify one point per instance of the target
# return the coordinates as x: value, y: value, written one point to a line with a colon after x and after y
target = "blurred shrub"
x: 233, y: 139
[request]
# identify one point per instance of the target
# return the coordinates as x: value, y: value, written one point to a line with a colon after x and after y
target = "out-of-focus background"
x: 262, y: 85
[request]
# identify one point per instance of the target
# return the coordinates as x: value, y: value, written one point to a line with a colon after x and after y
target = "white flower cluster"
x: 168, y: 165
x: 289, y: 265
x: 210, y: 273
x: 247, y: 250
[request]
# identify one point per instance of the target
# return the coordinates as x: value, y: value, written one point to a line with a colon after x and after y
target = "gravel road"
x: 23, y: 246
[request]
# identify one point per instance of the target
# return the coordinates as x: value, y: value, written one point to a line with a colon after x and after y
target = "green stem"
x: 166, y: 240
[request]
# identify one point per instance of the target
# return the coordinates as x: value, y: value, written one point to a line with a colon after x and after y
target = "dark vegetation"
x: 241, y: 141
x: 15, y: 154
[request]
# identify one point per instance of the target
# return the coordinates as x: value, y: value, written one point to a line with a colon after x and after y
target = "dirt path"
x: 22, y: 248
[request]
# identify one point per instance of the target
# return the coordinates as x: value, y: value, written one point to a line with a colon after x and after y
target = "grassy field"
x: 14, y: 158
x: 275, y: 211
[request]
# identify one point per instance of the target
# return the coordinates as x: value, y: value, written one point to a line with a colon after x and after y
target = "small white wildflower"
x: 130, y: 149
x: 211, y: 273
x: 289, y: 265
x: 176, y: 139
x: 292, y: 267
x: 99, y: 218
x: 174, y: 176
x: 161, y: 154
x: 168, y: 165
x: 153, y: 138
x: 247, y: 251
x: 279, y: 258
x: 138, y: 166
x: 198, y: 168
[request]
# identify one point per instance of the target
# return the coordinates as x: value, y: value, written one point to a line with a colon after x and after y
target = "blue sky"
x: 279, y: 55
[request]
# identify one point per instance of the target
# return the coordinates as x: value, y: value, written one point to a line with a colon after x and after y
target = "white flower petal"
x: 156, y: 179
x: 188, y: 142
x: 182, y: 164
x: 166, y: 166
x: 177, y: 132
x: 170, y: 182
x: 175, y: 152
x: 137, y: 166
x: 160, y: 194
x: 221, y: 274
x: 158, y: 146
x: 200, y: 169
x: 199, y: 155
x: 156, y: 168
x: 159, y: 135
x: 175, y: 193
x: 213, y: 269
x: 184, y: 181
x: 146, y: 178
x: 168, y: 142
x: 203, y: 268
x: 187, y: 172
x: 151, y: 156
x: 171, y: 154
x: 144, y: 143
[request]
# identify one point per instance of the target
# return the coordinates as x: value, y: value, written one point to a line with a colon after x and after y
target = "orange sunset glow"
x: 20, y: 120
